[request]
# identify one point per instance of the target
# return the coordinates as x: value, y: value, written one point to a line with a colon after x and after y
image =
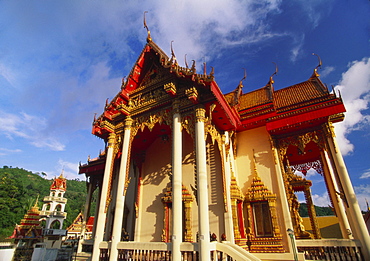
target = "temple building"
x: 29, y: 229
x: 190, y: 173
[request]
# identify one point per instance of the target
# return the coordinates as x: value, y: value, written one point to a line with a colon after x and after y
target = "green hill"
x: 320, y: 211
x: 19, y: 189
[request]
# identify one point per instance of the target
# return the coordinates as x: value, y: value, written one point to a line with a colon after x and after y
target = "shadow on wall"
x: 155, y: 178
x: 158, y: 209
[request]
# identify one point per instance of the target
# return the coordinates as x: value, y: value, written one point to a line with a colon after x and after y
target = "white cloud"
x: 28, y: 127
x: 365, y: 175
x: 326, y: 71
x: 355, y: 90
x: 69, y: 169
x: 321, y: 200
x: 297, y: 49
x: 210, y: 25
x: 7, y: 74
x: 4, y: 151
x: 362, y: 194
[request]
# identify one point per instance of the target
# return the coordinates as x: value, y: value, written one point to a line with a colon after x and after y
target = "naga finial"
x: 272, y: 75
x: 173, y: 56
x: 238, y: 91
x: 186, y: 63
x: 148, y: 38
x: 315, y: 73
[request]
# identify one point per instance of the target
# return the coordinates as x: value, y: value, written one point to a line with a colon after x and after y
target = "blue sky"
x: 60, y: 61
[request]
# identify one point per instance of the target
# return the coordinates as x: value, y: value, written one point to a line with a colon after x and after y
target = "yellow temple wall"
x: 257, y: 140
x: 155, y: 172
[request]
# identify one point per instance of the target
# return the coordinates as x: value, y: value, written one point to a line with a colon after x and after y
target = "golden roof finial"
x: 148, y: 38
x: 315, y: 73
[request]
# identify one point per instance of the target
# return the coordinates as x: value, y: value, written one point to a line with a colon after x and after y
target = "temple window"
x: 262, y: 219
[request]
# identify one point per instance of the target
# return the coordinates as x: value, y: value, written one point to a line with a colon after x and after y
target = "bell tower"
x: 54, y: 204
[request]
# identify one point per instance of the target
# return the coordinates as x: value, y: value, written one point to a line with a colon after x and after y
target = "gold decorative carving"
x: 236, y: 195
x: 150, y: 120
x: 128, y: 122
x: 127, y: 182
x: 170, y: 88
x: 187, y: 199
x: 188, y: 123
x: 200, y: 114
x: 112, y: 145
x: 300, y: 141
x: 106, y: 125
x: 293, y: 203
x: 192, y: 94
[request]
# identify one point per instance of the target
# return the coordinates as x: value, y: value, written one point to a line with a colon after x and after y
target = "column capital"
x: 176, y: 106
x: 111, y: 140
x: 128, y: 122
x: 200, y: 114
x: 329, y: 129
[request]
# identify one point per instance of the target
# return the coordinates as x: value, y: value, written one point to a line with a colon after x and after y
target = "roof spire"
x: 315, y: 73
x: 238, y: 91
x: 37, y: 201
x: 148, y: 38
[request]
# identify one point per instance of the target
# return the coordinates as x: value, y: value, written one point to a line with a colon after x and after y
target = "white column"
x: 85, y: 216
x: 100, y: 224
x: 229, y: 229
x: 337, y: 201
x: 282, y: 197
x: 121, y: 193
x: 202, y: 188
x: 176, y: 184
x: 358, y: 224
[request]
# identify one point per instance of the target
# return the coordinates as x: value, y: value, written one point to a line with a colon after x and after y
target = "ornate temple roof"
x: 59, y: 183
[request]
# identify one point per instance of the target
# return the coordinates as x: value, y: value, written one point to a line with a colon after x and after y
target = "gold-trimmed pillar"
x: 201, y: 162
x: 100, y: 224
x: 121, y: 190
x: 282, y: 198
x: 358, y: 224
